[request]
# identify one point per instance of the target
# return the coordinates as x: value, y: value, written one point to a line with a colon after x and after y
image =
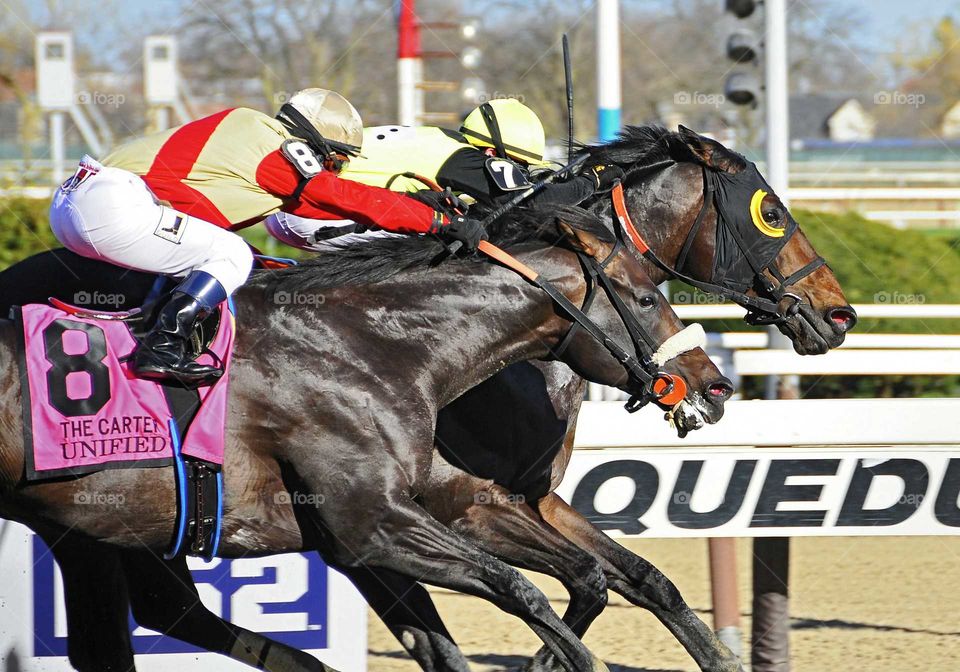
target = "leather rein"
x: 643, y: 369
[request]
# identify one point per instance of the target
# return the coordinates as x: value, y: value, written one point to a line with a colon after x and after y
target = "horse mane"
x: 640, y: 146
x: 379, y: 259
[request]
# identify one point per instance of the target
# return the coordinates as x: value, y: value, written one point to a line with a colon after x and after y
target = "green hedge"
x: 878, y: 264
x: 873, y: 262
x: 24, y: 229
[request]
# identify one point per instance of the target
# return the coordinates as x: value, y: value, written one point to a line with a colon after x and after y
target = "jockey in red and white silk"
x: 168, y: 203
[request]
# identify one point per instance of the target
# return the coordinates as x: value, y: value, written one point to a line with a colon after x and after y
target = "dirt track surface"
x: 875, y: 604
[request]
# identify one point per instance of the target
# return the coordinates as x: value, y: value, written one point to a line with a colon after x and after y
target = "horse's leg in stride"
x: 404, y: 538
x: 643, y: 585
x: 164, y: 598
x: 407, y: 610
x: 513, y: 532
x: 96, y: 600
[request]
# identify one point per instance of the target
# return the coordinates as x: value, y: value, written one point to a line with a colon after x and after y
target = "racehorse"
x: 350, y: 419
x: 514, y: 432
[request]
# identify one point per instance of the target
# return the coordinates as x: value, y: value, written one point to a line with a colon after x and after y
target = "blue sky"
x: 887, y: 18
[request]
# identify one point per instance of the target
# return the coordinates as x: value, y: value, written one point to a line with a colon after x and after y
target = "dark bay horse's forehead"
x: 742, y: 233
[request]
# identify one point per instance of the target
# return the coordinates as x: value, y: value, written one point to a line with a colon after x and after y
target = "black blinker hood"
x: 743, y: 250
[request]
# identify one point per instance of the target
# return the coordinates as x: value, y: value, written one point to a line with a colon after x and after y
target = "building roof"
x: 809, y: 114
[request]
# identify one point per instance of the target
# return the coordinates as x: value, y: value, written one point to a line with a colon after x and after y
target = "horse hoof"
x: 599, y: 665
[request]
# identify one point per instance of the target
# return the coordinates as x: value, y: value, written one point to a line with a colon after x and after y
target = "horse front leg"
x: 643, y: 585
x: 164, y: 598
x: 504, y: 526
x: 98, y: 629
x: 397, y: 534
x: 407, y: 609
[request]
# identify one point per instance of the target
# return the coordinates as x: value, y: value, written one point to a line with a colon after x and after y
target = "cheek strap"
x: 689, y: 338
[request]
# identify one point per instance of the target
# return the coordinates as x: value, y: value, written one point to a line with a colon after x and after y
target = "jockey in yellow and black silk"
x: 489, y: 159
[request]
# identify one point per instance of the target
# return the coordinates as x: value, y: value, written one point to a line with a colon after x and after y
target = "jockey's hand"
x: 467, y: 231
x: 604, y: 176
x: 443, y: 201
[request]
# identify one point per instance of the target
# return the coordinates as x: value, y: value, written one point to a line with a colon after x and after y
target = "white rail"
x: 749, y: 340
x: 730, y: 311
x: 775, y: 423
x: 873, y: 194
x: 848, y: 363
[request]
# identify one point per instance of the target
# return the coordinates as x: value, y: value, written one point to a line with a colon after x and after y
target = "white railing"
x: 765, y: 423
x: 728, y: 311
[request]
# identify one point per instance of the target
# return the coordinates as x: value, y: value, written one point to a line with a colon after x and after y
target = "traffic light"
x: 741, y: 9
x: 743, y: 86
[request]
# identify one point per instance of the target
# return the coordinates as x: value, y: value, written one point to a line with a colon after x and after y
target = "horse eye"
x: 647, y: 302
x: 773, y: 216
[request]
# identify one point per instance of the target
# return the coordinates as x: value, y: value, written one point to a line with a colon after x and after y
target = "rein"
x: 657, y: 385
x: 761, y: 310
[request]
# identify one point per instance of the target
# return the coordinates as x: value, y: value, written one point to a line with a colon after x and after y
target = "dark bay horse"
x: 529, y: 455
x: 354, y: 390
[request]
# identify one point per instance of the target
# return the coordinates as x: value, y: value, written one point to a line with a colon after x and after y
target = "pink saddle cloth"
x: 83, y: 409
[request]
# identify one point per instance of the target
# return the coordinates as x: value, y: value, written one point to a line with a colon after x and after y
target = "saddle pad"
x: 84, y: 411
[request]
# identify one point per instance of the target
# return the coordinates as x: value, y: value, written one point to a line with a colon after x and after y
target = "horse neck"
x: 445, y: 330
x: 492, y: 318
x: 663, y: 213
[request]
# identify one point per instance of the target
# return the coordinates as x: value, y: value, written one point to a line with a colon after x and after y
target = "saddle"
x: 84, y: 411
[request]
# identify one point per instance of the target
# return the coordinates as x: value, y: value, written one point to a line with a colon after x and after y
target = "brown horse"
x: 364, y: 444
x: 529, y: 455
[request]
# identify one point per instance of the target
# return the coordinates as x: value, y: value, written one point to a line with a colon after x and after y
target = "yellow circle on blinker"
x: 757, y: 216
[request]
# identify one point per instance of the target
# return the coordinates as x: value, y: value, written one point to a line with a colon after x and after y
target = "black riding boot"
x: 164, y: 353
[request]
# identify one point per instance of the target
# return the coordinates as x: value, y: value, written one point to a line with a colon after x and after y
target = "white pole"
x: 770, y: 642
x: 778, y: 134
x: 419, y: 99
x: 57, y: 146
x: 777, y: 95
x: 608, y: 69
x: 161, y: 118
x: 407, y: 79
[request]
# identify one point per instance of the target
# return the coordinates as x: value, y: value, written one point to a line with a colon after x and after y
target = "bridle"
x: 643, y: 369
x: 763, y: 309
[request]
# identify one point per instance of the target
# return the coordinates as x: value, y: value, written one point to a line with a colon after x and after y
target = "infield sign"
x: 294, y: 598
x: 718, y: 492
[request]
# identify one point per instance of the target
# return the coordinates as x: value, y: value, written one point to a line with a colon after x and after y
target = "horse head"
x: 618, y: 295
x: 712, y: 220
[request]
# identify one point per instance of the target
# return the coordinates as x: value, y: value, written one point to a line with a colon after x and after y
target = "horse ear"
x: 711, y: 153
x: 580, y: 240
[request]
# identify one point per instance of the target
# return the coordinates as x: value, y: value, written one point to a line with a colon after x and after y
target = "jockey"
x: 490, y: 159
x: 168, y: 204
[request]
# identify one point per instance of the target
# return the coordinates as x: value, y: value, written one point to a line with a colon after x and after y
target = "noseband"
x: 761, y: 310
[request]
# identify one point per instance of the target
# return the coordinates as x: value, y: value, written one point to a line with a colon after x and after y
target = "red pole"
x: 408, y: 30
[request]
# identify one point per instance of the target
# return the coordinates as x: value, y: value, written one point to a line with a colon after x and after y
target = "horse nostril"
x: 843, y: 319
x: 720, y: 391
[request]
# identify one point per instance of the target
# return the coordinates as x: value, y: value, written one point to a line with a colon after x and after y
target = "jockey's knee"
x: 278, y: 226
x: 232, y: 264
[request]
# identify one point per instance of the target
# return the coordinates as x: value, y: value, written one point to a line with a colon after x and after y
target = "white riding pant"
x: 299, y: 232
x: 110, y: 214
